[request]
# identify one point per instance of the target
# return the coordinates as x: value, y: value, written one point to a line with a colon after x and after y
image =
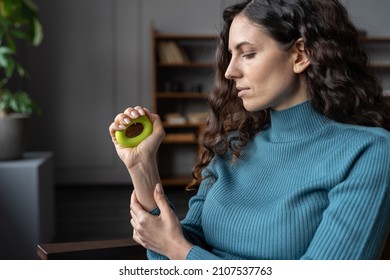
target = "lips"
x: 241, y: 91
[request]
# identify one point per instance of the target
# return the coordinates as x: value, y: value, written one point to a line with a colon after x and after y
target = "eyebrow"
x: 239, y: 45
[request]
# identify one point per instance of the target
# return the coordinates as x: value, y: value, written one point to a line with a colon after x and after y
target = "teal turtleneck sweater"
x: 305, y: 188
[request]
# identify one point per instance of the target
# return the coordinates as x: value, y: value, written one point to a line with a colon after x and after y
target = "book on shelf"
x: 197, y: 117
x: 187, y: 137
x: 175, y: 118
x: 171, y: 53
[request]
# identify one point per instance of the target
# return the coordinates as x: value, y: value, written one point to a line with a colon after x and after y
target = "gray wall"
x: 372, y: 16
x: 95, y: 61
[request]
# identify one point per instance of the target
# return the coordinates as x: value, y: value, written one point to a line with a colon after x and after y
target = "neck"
x: 294, y: 123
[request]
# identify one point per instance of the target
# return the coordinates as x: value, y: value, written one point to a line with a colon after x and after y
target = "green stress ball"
x: 135, y: 132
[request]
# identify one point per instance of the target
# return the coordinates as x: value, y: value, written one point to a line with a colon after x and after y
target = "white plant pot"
x: 13, y: 136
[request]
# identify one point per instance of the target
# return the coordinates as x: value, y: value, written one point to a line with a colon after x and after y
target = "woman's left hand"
x: 163, y: 233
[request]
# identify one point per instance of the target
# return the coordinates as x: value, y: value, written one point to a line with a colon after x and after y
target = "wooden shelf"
x: 197, y: 37
x: 185, y: 125
x: 379, y: 48
x: 187, y: 65
x: 181, y: 64
x: 190, y: 95
x: 380, y: 65
x: 176, y: 181
x: 375, y: 39
x: 180, y: 138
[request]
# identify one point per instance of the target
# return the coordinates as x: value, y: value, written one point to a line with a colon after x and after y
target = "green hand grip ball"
x: 135, y: 132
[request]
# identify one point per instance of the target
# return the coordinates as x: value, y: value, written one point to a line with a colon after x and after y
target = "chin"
x: 255, y: 107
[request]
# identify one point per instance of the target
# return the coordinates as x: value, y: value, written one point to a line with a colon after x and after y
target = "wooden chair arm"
x: 126, y: 249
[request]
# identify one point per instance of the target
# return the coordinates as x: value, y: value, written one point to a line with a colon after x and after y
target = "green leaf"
x: 38, y: 33
x: 4, y: 57
x: 18, y: 34
x: 31, y: 5
x: 10, y: 42
x: 10, y: 68
x: 18, y: 102
x: 6, y: 50
x: 20, y: 69
x: 3, y: 61
x: 13, y: 105
x: 18, y: 21
x: 6, y: 8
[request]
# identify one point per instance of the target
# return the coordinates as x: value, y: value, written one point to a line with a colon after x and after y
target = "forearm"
x: 145, y: 176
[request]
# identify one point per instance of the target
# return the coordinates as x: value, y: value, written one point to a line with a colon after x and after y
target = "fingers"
x: 134, y: 204
x: 160, y: 198
x: 115, y: 126
x: 134, y: 219
x: 137, y: 212
x: 136, y: 238
x: 137, y: 220
x: 135, y: 112
x: 123, y: 119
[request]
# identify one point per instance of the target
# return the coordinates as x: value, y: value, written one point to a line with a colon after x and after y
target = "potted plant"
x: 19, y: 23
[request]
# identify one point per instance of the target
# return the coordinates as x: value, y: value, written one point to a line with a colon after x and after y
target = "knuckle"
x: 128, y: 110
x: 142, y: 221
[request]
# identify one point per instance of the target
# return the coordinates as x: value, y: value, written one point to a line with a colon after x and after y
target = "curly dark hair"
x: 341, y: 83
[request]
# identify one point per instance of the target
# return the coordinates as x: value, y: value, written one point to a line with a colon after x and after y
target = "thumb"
x: 160, y: 198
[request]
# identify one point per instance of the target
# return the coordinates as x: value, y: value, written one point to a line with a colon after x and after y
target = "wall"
x: 372, y: 16
x: 95, y: 61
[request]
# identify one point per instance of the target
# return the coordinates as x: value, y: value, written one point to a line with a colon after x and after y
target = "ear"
x: 301, y: 58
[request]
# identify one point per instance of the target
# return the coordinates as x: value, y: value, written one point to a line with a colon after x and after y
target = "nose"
x: 232, y: 72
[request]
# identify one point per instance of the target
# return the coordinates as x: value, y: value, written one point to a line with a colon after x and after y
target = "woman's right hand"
x: 147, y: 149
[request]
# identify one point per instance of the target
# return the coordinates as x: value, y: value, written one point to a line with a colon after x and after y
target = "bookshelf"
x: 182, y: 76
x: 378, y: 49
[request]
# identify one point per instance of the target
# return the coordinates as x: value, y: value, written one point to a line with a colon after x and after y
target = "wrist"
x: 145, y: 166
x: 142, y: 167
x: 180, y: 251
x: 141, y: 163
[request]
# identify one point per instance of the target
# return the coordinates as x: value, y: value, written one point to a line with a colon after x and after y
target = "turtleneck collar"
x: 294, y: 123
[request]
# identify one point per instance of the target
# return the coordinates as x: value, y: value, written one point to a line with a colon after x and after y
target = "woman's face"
x: 265, y: 76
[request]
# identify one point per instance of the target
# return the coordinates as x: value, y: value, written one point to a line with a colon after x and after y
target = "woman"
x: 295, y: 160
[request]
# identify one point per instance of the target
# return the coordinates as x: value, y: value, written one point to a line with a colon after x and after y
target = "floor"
x: 101, y: 212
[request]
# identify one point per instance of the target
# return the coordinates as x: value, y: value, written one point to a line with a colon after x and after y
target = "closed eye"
x: 249, y: 55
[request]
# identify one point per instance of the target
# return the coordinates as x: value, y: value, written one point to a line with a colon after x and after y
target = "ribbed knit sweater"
x: 305, y: 188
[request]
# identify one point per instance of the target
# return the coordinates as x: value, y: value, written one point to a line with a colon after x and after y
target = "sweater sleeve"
x: 355, y: 223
